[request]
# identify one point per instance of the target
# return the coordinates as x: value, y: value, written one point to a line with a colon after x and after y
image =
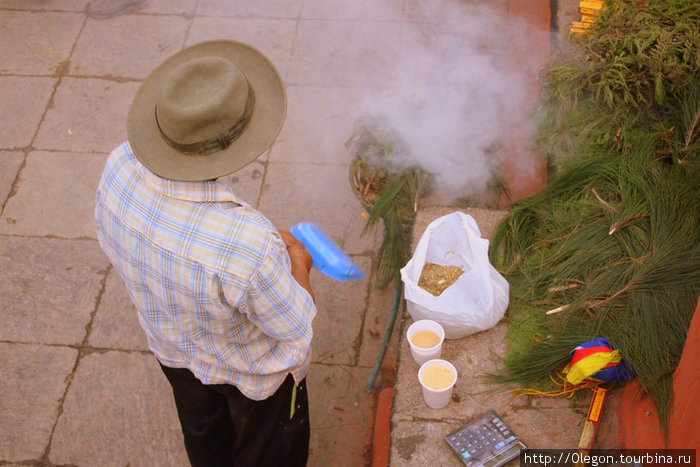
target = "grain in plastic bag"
x: 477, y: 300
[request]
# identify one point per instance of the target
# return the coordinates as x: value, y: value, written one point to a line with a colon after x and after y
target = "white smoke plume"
x: 460, y: 90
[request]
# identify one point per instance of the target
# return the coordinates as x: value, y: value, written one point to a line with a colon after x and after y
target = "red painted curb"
x: 381, y: 439
x: 638, y: 422
x: 524, y: 171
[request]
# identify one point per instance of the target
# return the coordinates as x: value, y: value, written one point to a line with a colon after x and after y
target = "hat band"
x: 218, y: 142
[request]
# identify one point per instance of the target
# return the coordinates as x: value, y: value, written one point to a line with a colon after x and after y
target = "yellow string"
x: 566, y: 390
x: 538, y: 337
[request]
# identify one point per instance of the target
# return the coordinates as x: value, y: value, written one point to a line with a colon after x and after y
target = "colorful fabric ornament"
x: 597, y: 360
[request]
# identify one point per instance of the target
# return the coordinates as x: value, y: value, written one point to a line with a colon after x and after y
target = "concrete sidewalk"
x: 79, y: 386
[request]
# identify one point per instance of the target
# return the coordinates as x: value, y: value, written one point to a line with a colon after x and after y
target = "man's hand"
x: 301, y: 260
x: 297, y: 251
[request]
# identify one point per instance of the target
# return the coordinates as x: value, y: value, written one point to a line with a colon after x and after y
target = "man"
x: 223, y: 296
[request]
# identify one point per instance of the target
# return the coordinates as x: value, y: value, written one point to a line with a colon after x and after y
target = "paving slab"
x: 168, y: 7
x: 273, y: 37
x: 341, y: 413
x: 444, y: 11
x: 48, y: 288
x: 34, y: 380
x: 339, y: 319
x: 53, y: 5
x: 25, y: 99
x: 375, y: 328
x: 420, y: 443
x: 327, y: 117
x: 247, y: 182
x: 116, y: 324
x: 150, y: 38
x: 322, y: 58
x: 50, y: 199
x: 267, y: 9
x: 36, y: 44
x: 10, y: 163
x: 473, y: 357
x: 118, y: 411
x: 86, y: 115
x: 321, y: 194
x: 389, y: 10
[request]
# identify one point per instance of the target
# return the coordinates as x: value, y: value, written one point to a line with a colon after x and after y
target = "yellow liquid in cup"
x: 437, y: 377
x: 425, y: 339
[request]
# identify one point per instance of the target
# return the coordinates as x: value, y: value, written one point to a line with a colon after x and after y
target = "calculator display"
x: 485, y: 441
x: 504, y: 456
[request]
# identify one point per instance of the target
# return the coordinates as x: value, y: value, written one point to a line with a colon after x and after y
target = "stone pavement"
x: 79, y: 386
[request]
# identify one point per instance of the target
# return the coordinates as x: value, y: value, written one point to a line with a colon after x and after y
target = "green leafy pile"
x: 637, y: 63
x: 613, y: 242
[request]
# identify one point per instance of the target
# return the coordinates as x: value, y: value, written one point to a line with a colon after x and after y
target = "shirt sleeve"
x: 279, y: 307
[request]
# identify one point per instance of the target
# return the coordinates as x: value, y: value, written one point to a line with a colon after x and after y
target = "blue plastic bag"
x: 327, y: 256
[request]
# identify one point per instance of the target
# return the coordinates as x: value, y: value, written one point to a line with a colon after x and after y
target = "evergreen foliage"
x: 614, y: 239
x: 639, y: 60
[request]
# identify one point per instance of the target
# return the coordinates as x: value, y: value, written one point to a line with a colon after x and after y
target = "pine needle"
x: 620, y: 219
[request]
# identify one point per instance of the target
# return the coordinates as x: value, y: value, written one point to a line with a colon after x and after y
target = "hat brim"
x: 265, y: 124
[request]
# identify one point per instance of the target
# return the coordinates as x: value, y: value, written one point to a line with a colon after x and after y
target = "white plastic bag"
x: 477, y: 300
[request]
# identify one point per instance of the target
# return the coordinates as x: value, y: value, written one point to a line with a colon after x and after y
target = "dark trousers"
x: 222, y: 427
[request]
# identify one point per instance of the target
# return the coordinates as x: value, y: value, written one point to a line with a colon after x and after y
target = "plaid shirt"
x: 209, y: 275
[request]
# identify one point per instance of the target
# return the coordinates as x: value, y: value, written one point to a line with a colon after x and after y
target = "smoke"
x: 459, y: 91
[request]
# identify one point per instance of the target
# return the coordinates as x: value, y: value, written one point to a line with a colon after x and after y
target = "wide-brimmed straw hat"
x: 207, y: 111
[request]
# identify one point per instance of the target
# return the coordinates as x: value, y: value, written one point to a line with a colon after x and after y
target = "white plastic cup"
x: 423, y: 354
x: 437, y: 385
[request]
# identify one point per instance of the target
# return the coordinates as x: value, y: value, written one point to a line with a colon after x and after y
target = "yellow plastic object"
x: 590, y: 11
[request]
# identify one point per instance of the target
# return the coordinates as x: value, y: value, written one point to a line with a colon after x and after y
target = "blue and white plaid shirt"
x: 209, y: 275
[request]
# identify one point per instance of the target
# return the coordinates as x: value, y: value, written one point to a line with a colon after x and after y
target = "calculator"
x: 485, y: 441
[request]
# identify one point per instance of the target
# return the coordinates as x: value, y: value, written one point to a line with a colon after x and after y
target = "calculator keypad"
x: 482, y: 439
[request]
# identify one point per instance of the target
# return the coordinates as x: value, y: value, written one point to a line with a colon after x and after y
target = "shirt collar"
x: 204, y: 191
